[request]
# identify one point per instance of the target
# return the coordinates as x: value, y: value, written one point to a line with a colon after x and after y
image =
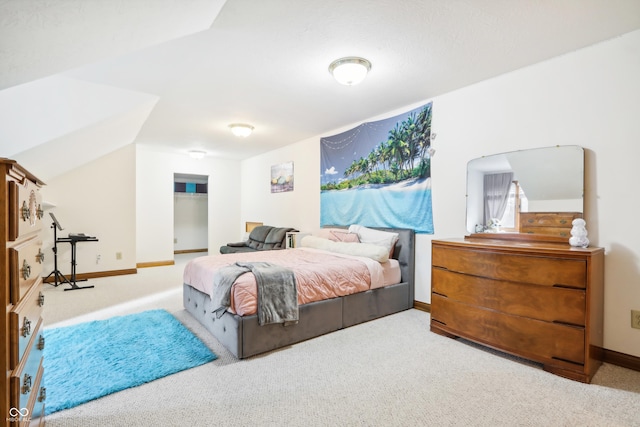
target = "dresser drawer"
x: 537, y: 302
x: 547, y: 342
x: 548, y: 231
x: 24, y: 320
x: 24, y: 378
x: 37, y: 399
x: 548, y: 219
x: 25, y: 267
x: 548, y: 223
x: 26, y: 209
x: 531, y: 269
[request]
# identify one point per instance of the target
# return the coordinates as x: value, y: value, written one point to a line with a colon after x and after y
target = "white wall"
x: 587, y: 98
x: 154, y: 202
x: 126, y: 200
x: 97, y: 199
x: 299, y: 208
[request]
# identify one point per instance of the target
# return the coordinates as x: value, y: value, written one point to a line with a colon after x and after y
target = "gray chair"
x: 261, y: 238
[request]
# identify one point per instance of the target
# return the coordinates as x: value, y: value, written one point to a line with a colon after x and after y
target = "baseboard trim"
x: 97, y: 274
x: 621, y: 359
x: 608, y: 356
x: 423, y: 306
x: 154, y: 264
x: 190, y: 251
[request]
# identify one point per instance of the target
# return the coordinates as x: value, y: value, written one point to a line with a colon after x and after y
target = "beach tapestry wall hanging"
x: 378, y: 174
x: 282, y: 177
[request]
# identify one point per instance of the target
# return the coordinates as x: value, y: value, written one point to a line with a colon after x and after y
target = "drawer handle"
x: 530, y: 221
x: 560, y: 285
x: 26, y: 384
x: 40, y: 256
x: 41, y: 299
x: 43, y: 394
x: 24, y: 211
x: 26, y: 327
x: 562, y: 322
x: 563, y: 221
x: 39, y: 211
x: 25, y: 270
x: 41, y: 343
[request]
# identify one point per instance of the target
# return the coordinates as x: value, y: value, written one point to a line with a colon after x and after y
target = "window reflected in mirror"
x: 516, y: 202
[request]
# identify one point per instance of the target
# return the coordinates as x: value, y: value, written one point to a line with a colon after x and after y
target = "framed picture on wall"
x: 282, y: 177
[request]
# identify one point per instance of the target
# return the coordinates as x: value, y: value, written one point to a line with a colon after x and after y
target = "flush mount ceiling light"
x: 197, y: 154
x: 241, y: 129
x: 350, y: 70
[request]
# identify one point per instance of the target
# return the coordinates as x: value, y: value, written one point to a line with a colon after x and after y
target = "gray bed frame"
x: 244, y: 337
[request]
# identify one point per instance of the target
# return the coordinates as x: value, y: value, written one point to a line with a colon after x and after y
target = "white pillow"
x: 375, y: 252
x: 385, y: 239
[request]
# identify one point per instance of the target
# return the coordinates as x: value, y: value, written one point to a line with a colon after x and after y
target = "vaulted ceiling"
x: 81, y: 79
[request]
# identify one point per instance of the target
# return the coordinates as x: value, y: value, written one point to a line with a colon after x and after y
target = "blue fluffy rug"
x: 90, y: 360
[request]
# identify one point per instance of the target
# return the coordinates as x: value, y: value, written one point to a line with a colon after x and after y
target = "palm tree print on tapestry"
x: 378, y: 174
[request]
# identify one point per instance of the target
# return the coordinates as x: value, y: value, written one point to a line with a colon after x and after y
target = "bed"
x: 243, y: 335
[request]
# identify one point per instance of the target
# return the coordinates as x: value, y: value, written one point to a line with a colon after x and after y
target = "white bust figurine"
x: 579, y: 234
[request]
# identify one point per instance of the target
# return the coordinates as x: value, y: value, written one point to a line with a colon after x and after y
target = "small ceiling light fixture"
x: 350, y: 70
x: 241, y: 129
x: 197, y: 154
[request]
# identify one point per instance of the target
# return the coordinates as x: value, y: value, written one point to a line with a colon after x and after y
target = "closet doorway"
x: 190, y: 213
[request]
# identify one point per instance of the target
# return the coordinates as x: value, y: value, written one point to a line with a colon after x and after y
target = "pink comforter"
x: 319, y: 275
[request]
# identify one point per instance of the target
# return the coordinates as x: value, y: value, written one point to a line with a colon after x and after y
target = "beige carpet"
x: 388, y: 372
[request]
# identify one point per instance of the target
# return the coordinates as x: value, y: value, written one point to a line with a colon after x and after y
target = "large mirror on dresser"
x: 528, y: 192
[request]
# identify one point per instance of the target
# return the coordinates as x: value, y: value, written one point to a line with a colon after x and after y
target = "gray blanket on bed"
x: 277, y: 291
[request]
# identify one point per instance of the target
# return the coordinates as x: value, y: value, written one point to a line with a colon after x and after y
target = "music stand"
x: 57, y: 275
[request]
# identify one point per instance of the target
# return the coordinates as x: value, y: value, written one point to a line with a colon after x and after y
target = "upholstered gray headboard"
x: 404, y: 253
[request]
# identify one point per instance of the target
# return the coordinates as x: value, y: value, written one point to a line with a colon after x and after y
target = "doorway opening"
x: 190, y: 213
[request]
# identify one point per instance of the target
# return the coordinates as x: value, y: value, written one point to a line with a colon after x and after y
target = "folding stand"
x: 72, y: 239
x: 58, y: 277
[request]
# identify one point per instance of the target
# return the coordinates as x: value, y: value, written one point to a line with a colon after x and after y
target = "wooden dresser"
x: 542, y: 301
x: 21, y: 258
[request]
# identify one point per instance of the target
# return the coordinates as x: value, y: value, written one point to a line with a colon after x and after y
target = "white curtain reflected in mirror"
x: 496, y: 196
